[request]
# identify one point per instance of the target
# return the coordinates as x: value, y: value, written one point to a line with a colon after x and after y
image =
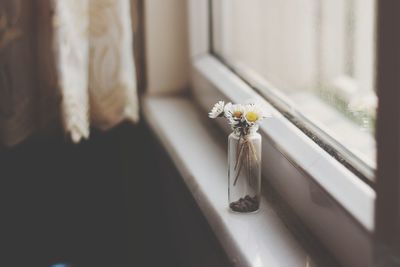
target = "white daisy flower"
x: 253, y: 114
x: 228, y: 114
x: 227, y: 108
x: 217, y: 110
x: 243, y: 119
x: 260, y: 105
x: 237, y: 112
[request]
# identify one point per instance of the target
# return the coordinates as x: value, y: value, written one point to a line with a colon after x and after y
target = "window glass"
x: 315, y: 56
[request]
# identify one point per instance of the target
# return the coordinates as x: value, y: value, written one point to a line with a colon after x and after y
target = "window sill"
x: 333, y: 203
x: 250, y: 240
x: 355, y: 196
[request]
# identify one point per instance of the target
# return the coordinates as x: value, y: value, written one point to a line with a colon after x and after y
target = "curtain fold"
x: 70, y: 60
x: 71, y: 45
x: 112, y: 88
x: 28, y: 91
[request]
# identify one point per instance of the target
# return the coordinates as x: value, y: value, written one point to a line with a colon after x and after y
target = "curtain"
x: 67, y: 60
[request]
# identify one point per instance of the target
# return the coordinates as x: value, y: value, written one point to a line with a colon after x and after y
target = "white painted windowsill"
x: 257, y: 240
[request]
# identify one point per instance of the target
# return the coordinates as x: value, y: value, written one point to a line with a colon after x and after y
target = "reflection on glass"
x: 318, y: 54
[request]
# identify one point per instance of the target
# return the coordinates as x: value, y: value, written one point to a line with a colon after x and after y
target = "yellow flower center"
x: 251, y: 116
x: 237, y: 114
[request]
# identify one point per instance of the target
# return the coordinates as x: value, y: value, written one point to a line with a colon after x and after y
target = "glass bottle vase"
x: 244, y: 172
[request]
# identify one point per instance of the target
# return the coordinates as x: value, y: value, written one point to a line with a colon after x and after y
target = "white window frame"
x: 328, y: 53
x: 331, y: 201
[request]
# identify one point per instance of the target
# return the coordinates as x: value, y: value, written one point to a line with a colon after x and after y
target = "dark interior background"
x: 113, y: 200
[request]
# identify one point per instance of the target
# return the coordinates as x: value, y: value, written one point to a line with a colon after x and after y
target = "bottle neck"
x: 243, y: 134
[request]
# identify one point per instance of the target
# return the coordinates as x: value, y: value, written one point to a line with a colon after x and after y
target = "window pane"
x: 316, y: 56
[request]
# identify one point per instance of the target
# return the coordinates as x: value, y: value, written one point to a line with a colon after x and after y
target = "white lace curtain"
x: 65, y: 59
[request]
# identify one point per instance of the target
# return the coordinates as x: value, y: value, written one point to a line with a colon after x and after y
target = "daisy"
x: 228, y: 114
x: 217, y: 110
x: 253, y: 114
x: 228, y: 108
x: 235, y: 111
x: 238, y: 111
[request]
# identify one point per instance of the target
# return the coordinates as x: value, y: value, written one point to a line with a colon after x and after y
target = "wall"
x: 166, y: 46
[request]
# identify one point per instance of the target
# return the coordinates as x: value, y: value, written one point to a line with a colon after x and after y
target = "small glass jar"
x: 244, y: 171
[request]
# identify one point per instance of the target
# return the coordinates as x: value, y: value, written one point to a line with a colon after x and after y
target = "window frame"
x: 302, y: 173
x: 343, y: 84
